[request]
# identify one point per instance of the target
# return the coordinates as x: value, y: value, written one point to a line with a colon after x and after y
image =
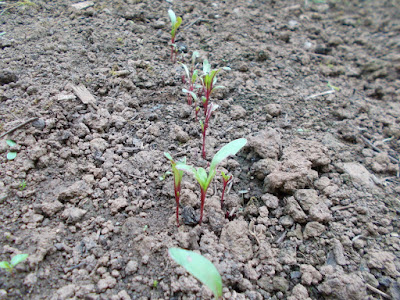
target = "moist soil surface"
x: 312, y: 211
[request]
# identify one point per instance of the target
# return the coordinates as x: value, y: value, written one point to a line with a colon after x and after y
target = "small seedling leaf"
x: 11, y: 143
x: 18, y: 259
x: 186, y: 70
x: 11, y: 155
x: 194, y: 96
x: 172, y: 16
x: 5, y: 265
x: 206, y: 67
x: 186, y: 168
x: 167, y: 155
x: 229, y: 149
x: 178, y: 22
x: 201, y: 176
x: 200, y: 267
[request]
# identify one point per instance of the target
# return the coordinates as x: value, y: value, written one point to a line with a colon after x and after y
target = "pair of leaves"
x: 12, y: 154
x: 200, y: 174
x: 15, y: 260
x: 176, y: 22
x: 178, y: 174
x: 200, y: 267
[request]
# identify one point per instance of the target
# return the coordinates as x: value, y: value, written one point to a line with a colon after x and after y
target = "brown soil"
x: 315, y: 191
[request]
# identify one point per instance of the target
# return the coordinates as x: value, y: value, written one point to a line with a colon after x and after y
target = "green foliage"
x: 175, y: 23
x: 178, y: 174
x: 12, y: 154
x: 200, y: 267
x: 15, y: 260
x: 22, y: 185
x: 200, y: 174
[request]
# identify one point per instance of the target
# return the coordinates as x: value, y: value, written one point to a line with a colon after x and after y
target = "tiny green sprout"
x: 15, y: 260
x: 12, y: 154
x: 178, y: 174
x: 208, y: 80
x: 22, y: 185
x: 337, y: 89
x: 199, y: 267
x: 163, y: 176
x: 225, y: 180
x: 191, y: 76
x: 201, y: 175
x: 175, y: 23
x: 155, y: 283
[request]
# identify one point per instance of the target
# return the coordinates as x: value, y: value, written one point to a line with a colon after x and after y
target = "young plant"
x: 175, y: 23
x: 225, y: 180
x: 204, y: 127
x: 12, y: 154
x: 208, y: 80
x: 15, y: 260
x: 201, y: 175
x: 191, y: 76
x: 200, y: 267
x: 178, y: 174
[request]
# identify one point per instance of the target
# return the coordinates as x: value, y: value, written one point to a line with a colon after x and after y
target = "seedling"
x: 208, y: 80
x: 201, y: 175
x: 178, y: 174
x: 163, y: 176
x: 15, y: 260
x: 175, y: 23
x: 22, y: 185
x: 199, y: 267
x: 12, y: 154
x: 225, y: 180
x: 191, y: 76
x: 204, y: 127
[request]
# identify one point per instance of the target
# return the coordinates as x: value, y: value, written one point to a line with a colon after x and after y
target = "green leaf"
x: 5, y: 265
x: 200, y: 267
x: 186, y: 69
x: 167, y: 155
x: 186, y: 168
x: 11, y: 143
x: 194, y: 96
x: 206, y: 67
x: 178, y: 22
x: 11, y: 155
x: 172, y: 16
x: 201, y: 177
x: 18, y: 259
x: 229, y: 149
x: 194, y: 56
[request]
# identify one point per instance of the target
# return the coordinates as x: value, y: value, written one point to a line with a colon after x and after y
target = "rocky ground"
x: 314, y: 205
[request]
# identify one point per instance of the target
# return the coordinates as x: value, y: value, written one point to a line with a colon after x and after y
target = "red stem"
x: 203, y: 149
x: 177, y: 196
x: 225, y: 182
x: 223, y: 193
x: 202, y: 199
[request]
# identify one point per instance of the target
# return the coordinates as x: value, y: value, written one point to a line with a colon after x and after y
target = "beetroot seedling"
x: 225, y: 180
x: 208, y: 80
x: 178, y: 174
x: 191, y: 76
x: 200, y: 174
x: 175, y: 23
x: 15, y: 260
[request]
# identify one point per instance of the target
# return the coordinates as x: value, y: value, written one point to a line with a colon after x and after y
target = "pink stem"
x: 177, y: 196
x: 202, y: 199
